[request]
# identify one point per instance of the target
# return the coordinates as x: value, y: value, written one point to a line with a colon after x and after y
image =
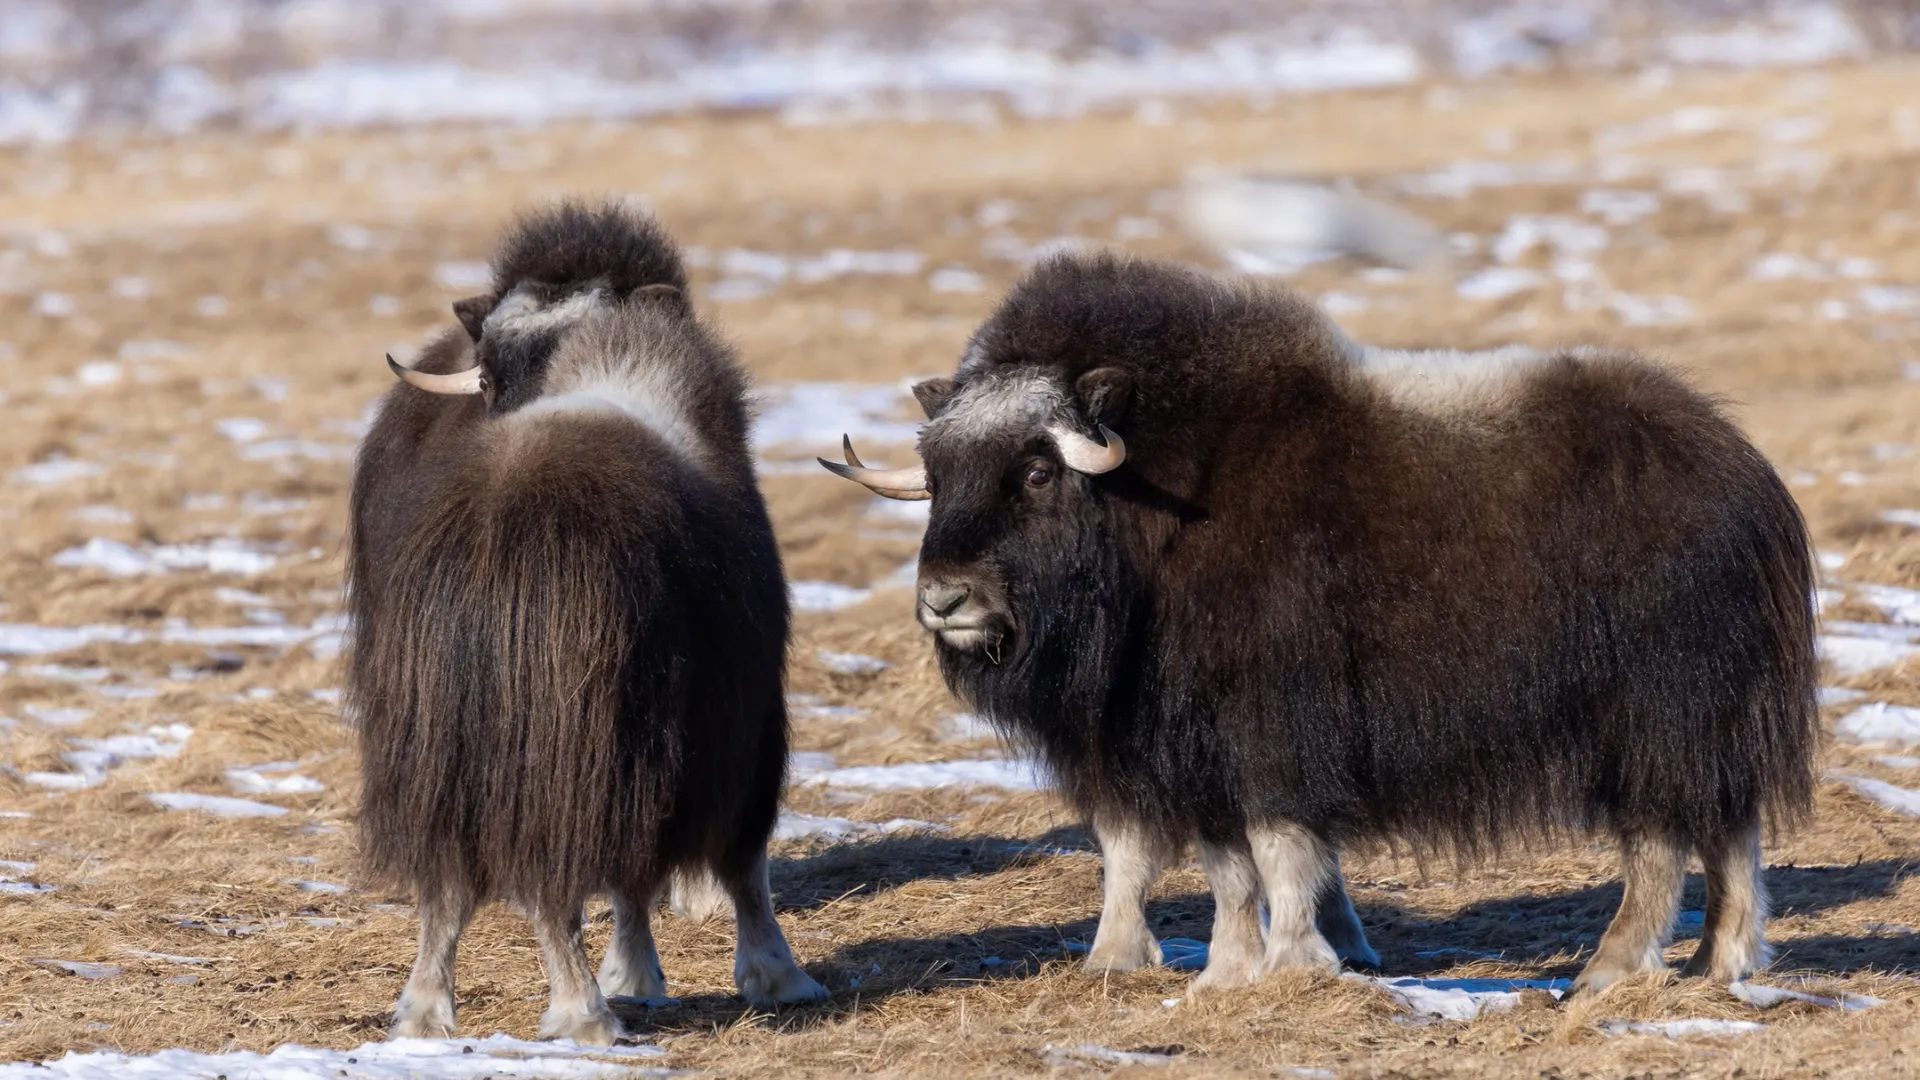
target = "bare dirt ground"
x: 193, y: 332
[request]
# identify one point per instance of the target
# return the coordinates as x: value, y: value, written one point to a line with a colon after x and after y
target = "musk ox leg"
x: 575, y: 1008
x: 1234, y: 957
x: 1652, y: 870
x: 1296, y: 867
x: 1340, y: 924
x: 1130, y: 863
x: 425, y: 1010
x: 697, y: 894
x: 631, y: 967
x: 763, y: 967
x: 1733, y: 944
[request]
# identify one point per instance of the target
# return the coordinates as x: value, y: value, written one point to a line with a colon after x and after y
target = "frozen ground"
x: 190, y: 338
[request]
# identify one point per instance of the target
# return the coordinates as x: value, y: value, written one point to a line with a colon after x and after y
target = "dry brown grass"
x: 898, y: 927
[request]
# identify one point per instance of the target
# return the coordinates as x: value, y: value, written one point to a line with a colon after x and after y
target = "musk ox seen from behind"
x: 569, y: 623
x: 1322, y: 593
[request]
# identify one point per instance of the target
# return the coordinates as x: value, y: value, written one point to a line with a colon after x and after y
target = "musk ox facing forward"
x: 1323, y: 593
x: 569, y: 624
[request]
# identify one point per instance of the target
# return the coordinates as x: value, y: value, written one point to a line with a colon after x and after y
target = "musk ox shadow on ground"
x: 1545, y: 933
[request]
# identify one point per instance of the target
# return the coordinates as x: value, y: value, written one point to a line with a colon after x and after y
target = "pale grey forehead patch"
x: 989, y: 403
x: 520, y: 312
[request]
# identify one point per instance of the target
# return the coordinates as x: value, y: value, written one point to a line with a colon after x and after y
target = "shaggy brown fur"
x: 1322, y: 593
x: 569, y: 622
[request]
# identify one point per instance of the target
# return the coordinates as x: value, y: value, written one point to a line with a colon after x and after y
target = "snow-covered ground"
x: 216, y: 61
x: 394, y: 1059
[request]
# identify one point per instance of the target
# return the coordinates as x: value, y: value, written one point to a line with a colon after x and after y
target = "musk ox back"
x: 569, y: 625
x: 1241, y: 581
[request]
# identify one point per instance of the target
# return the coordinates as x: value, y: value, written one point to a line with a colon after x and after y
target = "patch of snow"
x: 797, y: 826
x: 1794, y: 36
x: 100, y: 514
x: 98, y: 373
x: 966, y: 727
x: 1183, y: 954
x: 1835, y: 696
x: 1890, y: 299
x: 1010, y: 775
x: 301, y: 449
x: 57, y: 469
x: 170, y: 958
x: 1909, y: 518
x: 463, y: 276
x: 82, y: 968
x: 1281, y: 225
x: 851, y: 663
x: 58, y: 716
x: 1766, y: 997
x: 390, y: 1059
x: 1461, y: 999
x: 1665, y: 310
x: 1881, y: 724
x: 64, y: 781
x: 1564, y: 237
x: 242, y: 429
x: 1858, y: 648
x: 153, y: 350
x: 254, y: 781
x: 158, y: 741
x: 219, y: 556
x: 1619, y: 207
x: 217, y: 805
x: 823, y: 596
x: 1497, y: 283
x: 804, y: 760
x: 10, y: 883
x: 1899, y: 761
x: 1783, y: 265
x: 1897, y: 799
x: 812, y: 707
x: 1679, y: 1029
x: 956, y: 279
x: 1900, y: 605
x: 1095, y: 1054
x: 328, y: 887
x: 814, y: 415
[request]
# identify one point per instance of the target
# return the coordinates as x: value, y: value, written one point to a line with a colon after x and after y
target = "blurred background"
x: 216, y: 216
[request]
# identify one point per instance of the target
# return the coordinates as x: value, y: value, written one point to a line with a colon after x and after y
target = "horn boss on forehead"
x: 1083, y: 455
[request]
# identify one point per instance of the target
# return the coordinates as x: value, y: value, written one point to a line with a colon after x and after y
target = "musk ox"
x: 569, y: 623
x: 1323, y: 593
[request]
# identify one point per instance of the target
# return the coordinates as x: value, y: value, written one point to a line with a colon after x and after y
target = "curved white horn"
x: 471, y: 381
x: 1082, y: 454
x: 907, y: 484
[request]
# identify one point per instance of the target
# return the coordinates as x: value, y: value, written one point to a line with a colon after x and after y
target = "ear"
x: 472, y: 313
x: 660, y: 293
x: 933, y: 395
x: 1105, y: 393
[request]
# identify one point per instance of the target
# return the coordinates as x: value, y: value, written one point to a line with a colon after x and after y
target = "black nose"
x: 943, y: 600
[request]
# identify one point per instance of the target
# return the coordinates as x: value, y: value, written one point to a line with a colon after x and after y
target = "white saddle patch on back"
x: 1445, y: 381
x: 643, y: 393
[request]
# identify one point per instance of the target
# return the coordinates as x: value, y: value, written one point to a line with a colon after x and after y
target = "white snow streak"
x: 392, y: 1059
x: 1010, y: 775
x: 217, y: 805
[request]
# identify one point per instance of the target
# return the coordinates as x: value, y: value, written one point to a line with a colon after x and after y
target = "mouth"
x: 988, y: 635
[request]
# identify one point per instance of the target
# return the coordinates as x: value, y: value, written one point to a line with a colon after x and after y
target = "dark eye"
x: 1039, y: 476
